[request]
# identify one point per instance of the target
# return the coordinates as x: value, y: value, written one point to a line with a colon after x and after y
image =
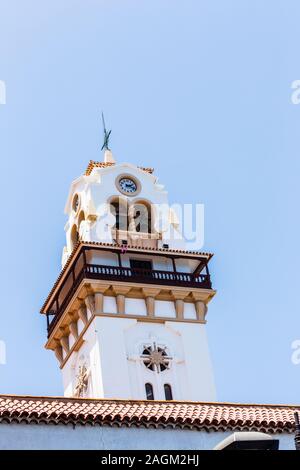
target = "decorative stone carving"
x: 98, y: 302
x: 90, y: 305
x: 58, y: 353
x: 150, y: 305
x: 150, y: 294
x: 82, y: 315
x: 121, y: 304
x: 64, y: 341
x: 82, y: 381
x: 200, y: 305
x: 179, y: 303
x: 120, y: 292
x: 156, y: 358
x: 201, y: 309
x: 74, y: 329
x: 179, y: 306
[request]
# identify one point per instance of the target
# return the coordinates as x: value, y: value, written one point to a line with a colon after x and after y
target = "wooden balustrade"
x: 123, y: 274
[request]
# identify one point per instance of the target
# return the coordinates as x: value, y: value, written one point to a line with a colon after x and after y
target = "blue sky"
x: 200, y: 90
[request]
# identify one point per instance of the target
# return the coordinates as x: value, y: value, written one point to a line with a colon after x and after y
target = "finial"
x: 108, y: 156
x: 106, y: 135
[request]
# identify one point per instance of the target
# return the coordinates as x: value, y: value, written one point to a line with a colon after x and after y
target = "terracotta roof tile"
x: 92, y: 164
x: 193, y: 415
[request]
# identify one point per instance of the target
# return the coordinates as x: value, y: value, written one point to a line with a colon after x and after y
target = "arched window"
x: 119, y: 210
x: 75, y: 203
x: 149, y: 391
x: 141, y: 217
x: 74, y: 236
x: 81, y: 218
x: 168, y: 392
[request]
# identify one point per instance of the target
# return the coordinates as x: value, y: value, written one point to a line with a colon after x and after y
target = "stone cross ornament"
x: 82, y: 381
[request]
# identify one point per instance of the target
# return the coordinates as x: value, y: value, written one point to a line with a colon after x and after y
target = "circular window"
x: 155, y: 358
x: 75, y: 204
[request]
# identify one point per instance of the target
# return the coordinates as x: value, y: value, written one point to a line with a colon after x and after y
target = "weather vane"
x: 106, y: 135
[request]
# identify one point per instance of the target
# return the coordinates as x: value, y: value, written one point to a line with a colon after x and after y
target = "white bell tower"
x: 126, y: 316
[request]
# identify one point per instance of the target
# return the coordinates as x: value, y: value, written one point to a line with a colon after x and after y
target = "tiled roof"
x: 190, y: 415
x: 118, y: 247
x: 170, y: 251
x: 92, y: 164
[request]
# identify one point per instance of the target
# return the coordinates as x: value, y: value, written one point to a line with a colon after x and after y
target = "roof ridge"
x: 145, y: 413
x: 148, y: 402
x: 96, y: 164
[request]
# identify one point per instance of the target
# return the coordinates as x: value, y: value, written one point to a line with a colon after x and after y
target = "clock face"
x: 128, y: 185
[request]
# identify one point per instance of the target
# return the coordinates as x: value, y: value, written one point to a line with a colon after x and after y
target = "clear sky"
x: 201, y: 91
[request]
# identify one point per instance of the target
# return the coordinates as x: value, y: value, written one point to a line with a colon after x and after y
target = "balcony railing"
x: 123, y: 274
x: 94, y: 271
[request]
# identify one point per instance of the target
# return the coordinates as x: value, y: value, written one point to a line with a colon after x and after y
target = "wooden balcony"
x: 81, y: 269
x: 114, y: 273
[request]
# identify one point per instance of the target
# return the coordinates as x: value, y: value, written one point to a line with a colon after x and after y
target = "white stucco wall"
x: 111, y: 352
x: 42, y: 436
x: 135, y: 307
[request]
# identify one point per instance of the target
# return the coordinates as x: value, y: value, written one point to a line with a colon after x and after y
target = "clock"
x: 127, y: 185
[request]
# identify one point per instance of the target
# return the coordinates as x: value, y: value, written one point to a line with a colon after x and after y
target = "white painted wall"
x: 105, y: 258
x: 49, y: 436
x: 197, y: 360
x: 109, y: 304
x: 189, y: 311
x: 135, y: 307
x: 112, y: 348
x: 165, y: 308
x: 159, y: 263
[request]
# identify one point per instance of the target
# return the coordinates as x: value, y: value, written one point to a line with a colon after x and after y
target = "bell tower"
x: 126, y: 316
